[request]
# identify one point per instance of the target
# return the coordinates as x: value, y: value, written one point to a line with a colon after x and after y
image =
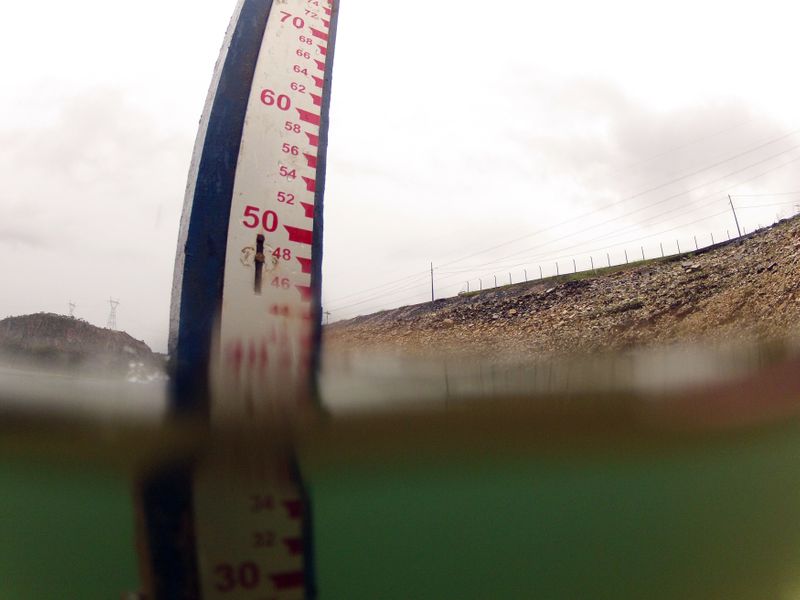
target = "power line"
x: 418, y: 275
x: 764, y: 195
x: 400, y: 288
x: 652, y: 204
x: 549, y: 255
x: 597, y: 249
x: 639, y: 239
x: 627, y: 198
x: 593, y: 226
x: 572, y: 219
x: 768, y: 205
x: 370, y: 299
x: 632, y: 240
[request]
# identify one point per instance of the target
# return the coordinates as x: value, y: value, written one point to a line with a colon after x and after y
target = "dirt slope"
x: 748, y: 288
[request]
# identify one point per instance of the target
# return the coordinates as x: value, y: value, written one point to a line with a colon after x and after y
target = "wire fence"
x: 597, y: 262
x: 592, y: 263
x: 443, y: 283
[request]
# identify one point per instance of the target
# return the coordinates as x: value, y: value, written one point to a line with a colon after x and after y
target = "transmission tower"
x: 112, y: 315
x: 72, y: 306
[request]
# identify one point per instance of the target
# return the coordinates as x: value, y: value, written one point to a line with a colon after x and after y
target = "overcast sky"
x: 485, y: 138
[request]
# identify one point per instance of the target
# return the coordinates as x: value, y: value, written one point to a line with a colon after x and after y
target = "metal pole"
x: 526, y: 275
x: 540, y: 272
x: 557, y: 273
x: 735, y: 218
x: 574, y: 266
x: 591, y: 260
x: 626, y: 256
x: 480, y: 283
x: 662, y: 248
x: 432, y: 298
x: 608, y: 258
x: 495, y: 281
x: 712, y: 238
x: 678, y: 244
x: 695, y: 243
x: 643, y: 258
x: 468, y: 287
x: 510, y: 282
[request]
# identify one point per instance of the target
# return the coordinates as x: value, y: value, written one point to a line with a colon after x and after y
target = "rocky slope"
x: 62, y: 343
x: 747, y: 288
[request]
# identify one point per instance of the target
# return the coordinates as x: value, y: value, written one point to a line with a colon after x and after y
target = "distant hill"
x: 64, y: 343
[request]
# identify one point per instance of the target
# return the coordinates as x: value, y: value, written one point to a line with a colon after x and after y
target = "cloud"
x: 91, y: 200
x: 97, y: 176
x: 610, y: 146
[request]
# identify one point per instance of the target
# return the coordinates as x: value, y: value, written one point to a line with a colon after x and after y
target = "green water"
x: 713, y: 522
x: 65, y: 533
x: 719, y: 520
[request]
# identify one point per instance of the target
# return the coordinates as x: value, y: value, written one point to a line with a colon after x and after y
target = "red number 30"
x: 246, y: 576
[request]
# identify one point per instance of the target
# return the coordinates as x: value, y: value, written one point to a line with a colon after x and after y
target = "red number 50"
x: 268, y: 220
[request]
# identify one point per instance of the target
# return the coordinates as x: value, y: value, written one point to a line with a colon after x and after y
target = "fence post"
x: 540, y: 272
x: 557, y: 271
x: 432, y: 298
x: 678, y: 244
x: 591, y: 259
x: 608, y: 258
x: 643, y: 258
x: 695, y: 243
x: 735, y: 218
x: 728, y: 231
x: 526, y: 275
x: 712, y: 238
x: 662, y: 248
x: 509, y: 279
x: 495, y: 281
x: 480, y: 283
x: 626, y: 256
x: 574, y: 266
x: 468, y: 287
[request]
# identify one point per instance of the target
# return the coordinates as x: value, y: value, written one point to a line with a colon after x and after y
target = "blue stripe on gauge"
x: 204, y: 266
